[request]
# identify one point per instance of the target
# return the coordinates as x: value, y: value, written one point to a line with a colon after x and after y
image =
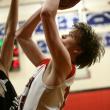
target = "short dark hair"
x: 90, y: 44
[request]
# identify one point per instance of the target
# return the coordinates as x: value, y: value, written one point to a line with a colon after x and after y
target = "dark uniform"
x: 8, y: 96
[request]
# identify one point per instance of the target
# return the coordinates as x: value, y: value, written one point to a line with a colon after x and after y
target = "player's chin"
x: 66, y: 4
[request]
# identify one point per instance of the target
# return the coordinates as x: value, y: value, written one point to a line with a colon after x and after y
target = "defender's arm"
x: 8, y: 44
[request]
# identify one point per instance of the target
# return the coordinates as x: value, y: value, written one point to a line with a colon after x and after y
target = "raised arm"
x: 23, y: 36
x: 7, y: 48
x: 58, y: 52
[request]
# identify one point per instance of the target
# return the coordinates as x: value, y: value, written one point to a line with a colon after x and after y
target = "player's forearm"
x: 23, y: 36
x: 48, y: 13
x: 25, y: 31
x: 11, y: 23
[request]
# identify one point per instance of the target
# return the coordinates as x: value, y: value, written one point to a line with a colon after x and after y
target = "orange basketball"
x: 65, y: 4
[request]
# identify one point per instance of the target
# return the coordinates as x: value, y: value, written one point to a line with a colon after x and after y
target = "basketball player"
x: 8, y: 96
x: 48, y: 88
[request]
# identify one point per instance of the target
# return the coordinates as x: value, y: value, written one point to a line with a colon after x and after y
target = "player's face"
x: 71, y: 40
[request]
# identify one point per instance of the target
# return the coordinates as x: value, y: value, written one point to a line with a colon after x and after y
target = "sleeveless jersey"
x: 38, y: 96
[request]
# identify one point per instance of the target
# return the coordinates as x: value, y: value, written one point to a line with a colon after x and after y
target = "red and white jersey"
x: 38, y: 96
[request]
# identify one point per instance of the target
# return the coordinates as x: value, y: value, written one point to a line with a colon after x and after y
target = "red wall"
x: 89, y: 100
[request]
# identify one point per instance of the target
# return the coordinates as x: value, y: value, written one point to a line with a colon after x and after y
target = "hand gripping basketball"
x: 65, y: 4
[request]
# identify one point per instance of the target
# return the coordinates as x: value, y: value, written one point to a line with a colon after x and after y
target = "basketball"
x: 65, y: 4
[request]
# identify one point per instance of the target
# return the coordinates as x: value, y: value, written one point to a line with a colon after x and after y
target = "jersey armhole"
x: 45, y: 61
x: 72, y: 72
